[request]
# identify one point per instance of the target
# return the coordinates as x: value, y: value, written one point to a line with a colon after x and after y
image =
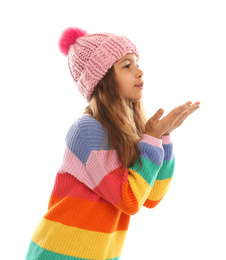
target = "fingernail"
x: 189, y: 103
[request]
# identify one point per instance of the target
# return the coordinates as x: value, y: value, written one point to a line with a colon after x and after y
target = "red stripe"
x: 111, y: 185
x: 66, y: 184
x: 116, y: 189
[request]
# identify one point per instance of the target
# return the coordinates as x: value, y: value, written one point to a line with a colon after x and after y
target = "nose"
x: 140, y: 73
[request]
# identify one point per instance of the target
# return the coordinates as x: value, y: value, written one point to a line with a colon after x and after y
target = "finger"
x: 186, y: 108
x: 193, y: 108
x: 187, y: 113
x: 157, y: 115
x: 181, y: 108
x: 197, y: 103
x: 180, y: 119
x: 178, y: 111
x: 189, y: 103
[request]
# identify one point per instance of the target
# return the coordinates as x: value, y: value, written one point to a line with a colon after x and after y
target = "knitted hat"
x: 91, y: 55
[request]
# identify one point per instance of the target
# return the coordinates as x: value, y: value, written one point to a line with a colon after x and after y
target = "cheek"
x: 121, y: 80
x: 125, y: 81
x: 125, y: 87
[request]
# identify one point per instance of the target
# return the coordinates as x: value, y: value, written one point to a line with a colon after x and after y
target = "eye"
x: 127, y: 66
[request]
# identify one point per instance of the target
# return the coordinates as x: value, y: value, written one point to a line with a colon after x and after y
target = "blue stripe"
x: 94, y: 132
x: 86, y: 135
x: 168, y: 150
x: 36, y: 252
x: 152, y: 153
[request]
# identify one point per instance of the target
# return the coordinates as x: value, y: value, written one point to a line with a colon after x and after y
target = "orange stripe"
x: 74, y: 212
x: 53, y: 201
x: 151, y: 203
x: 128, y: 202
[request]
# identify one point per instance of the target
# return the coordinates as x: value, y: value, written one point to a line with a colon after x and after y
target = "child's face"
x: 129, y: 77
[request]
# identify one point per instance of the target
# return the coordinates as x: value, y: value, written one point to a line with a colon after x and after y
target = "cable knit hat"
x: 91, y: 55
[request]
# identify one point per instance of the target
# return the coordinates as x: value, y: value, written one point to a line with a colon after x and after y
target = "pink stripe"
x: 86, y: 114
x: 71, y: 164
x: 166, y: 139
x: 152, y: 140
x: 99, y: 164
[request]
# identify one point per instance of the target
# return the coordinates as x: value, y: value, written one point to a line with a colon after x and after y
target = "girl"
x: 115, y: 160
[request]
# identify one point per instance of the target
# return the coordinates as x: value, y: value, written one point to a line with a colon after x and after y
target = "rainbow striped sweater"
x: 92, y: 198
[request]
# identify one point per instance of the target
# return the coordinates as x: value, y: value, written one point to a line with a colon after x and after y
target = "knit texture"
x: 92, y: 199
x: 90, y: 57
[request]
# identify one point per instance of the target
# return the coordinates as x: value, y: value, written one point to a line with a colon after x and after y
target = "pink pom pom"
x: 69, y: 37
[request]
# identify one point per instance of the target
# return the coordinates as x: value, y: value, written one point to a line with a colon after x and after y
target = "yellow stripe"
x: 139, y: 186
x: 159, y: 189
x: 76, y: 242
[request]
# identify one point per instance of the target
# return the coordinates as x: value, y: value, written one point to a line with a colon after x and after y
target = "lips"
x: 140, y: 85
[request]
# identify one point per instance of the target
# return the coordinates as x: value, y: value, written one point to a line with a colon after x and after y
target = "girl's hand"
x: 156, y: 127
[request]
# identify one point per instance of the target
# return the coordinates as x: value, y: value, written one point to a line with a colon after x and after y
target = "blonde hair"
x: 124, y: 121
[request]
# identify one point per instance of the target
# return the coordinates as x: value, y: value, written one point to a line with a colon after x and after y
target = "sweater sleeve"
x: 88, y: 158
x: 165, y: 174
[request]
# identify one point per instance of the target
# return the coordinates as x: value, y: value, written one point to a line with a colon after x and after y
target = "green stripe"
x: 36, y: 252
x: 166, y: 170
x: 148, y: 171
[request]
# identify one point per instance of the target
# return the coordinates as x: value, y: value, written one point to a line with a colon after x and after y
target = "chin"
x: 135, y: 99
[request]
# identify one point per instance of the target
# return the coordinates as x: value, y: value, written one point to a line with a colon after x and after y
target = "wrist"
x: 166, y: 139
x: 152, y: 135
x: 152, y: 140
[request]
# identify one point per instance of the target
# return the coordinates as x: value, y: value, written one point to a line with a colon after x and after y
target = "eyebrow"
x: 128, y: 59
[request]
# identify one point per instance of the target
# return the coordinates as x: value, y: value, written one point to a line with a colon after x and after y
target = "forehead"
x: 129, y: 57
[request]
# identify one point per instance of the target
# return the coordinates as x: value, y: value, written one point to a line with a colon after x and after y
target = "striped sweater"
x: 92, y: 199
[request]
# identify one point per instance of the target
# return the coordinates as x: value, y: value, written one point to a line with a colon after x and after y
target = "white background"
x: 183, y: 55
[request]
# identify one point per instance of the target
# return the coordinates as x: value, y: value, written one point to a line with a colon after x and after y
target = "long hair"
x: 124, y: 121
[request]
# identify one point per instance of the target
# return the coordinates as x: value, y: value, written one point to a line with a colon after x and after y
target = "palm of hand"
x: 157, y: 127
